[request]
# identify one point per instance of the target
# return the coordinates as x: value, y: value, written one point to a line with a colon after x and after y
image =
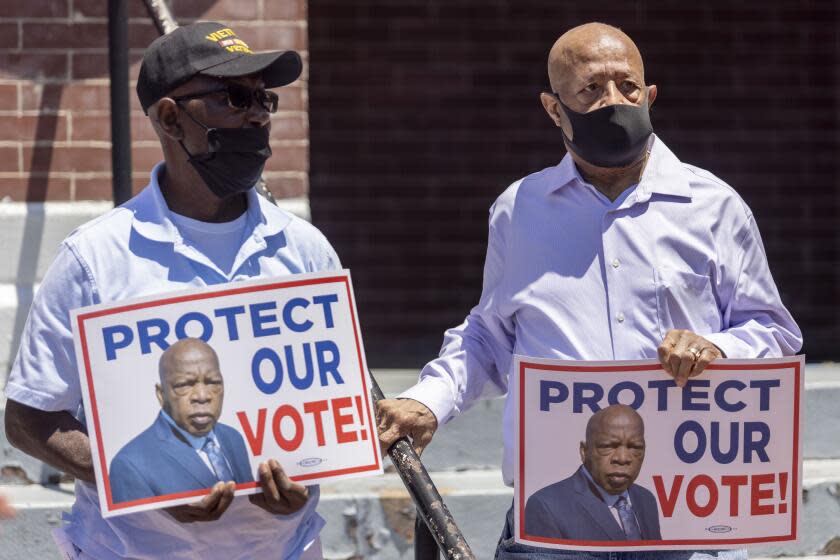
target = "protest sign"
x: 713, y: 465
x: 183, y: 390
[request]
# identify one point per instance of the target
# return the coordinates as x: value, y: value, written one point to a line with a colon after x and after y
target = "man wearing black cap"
x: 199, y: 222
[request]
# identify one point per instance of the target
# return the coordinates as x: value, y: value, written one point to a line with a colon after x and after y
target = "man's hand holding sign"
x: 619, y: 252
x: 684, y: 354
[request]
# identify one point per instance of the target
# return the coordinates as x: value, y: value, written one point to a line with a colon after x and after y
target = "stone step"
x: 373, y: 518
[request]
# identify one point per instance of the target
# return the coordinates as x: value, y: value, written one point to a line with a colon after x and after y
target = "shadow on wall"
x: 33, y: 225
x: 40, y: 165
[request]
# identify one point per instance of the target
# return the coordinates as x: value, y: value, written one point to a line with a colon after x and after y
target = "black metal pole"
x: 430, y: 506
x: 425, y: 547
x: 161, y: 16
x: 120, y: 115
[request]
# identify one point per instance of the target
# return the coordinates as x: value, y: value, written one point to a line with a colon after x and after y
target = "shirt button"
x: 620, y: 317
x: 616, y: 263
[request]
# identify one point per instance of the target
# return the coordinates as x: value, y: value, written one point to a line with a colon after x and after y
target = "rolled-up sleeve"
x: 476, y: 355
x: 755, y: 322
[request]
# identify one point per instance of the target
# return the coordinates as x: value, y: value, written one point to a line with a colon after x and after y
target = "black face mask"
x: 612, y: 136
x: 234, y: 160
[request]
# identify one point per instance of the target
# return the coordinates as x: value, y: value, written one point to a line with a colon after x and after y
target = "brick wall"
x: 423, y: 111
x: 54, y: 93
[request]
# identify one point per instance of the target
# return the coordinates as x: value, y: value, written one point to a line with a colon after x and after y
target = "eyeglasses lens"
x: 241, y: 98
x: 269, y: 100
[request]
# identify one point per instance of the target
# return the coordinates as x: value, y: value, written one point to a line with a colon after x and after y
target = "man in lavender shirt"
x: 619, y: 252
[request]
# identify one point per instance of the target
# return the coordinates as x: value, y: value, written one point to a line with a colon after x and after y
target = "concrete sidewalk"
x: 374, y: 517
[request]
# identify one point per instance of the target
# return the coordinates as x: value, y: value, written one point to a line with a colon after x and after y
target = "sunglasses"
x: 240, y: 97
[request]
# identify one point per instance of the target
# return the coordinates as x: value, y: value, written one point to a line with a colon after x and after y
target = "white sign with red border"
x: 296, y: 388
x: 720, y: 468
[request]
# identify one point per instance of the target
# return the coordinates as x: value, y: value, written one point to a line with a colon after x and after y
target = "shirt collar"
x: 152, y: 219
x: 663, y: 174
x: 566, y: 173
x: 609, y: 499
x: 196, y: 442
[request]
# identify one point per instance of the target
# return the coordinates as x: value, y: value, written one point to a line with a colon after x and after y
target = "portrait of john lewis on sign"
x: 186, y: 447
x: 601, y: 500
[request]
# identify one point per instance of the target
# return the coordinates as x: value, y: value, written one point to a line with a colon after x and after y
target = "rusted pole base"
x: 425, y: 547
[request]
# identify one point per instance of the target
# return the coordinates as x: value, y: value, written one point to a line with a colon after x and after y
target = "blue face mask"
x: 234, y: 160
x: 612, y: 136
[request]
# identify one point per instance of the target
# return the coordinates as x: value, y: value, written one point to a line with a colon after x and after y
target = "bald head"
x: 588, y: 45
x: 185, y: 351
x: 614, y: 448
x: 191, y: 388
x: 619, y: 414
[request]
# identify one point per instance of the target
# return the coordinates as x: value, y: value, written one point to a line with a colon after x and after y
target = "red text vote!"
x: 767, y: 493
x: 339, y: 420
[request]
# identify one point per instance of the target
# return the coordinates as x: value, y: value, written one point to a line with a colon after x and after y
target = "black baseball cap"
x: 208, y: 48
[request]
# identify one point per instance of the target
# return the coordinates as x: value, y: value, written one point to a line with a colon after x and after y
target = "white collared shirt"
x: 132, y: 251
x: 571, y: 275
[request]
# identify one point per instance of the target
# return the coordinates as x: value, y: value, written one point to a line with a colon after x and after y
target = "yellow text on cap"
x: 220, y: 34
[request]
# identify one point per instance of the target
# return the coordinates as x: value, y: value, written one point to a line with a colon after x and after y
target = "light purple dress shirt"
x: 571, y: 275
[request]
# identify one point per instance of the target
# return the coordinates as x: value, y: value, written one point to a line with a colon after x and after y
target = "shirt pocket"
x: 685, y: 300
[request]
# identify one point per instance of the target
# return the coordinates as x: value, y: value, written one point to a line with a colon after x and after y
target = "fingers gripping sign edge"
x: 665, y: 349
x: 684, y: 354
x: 209, y: 508
x: 268, y: 482
x: 224, y: 501
x: 707, y: 355
x: 685, y: 358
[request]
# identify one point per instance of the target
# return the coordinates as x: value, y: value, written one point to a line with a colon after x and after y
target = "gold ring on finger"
x: 695, y: 352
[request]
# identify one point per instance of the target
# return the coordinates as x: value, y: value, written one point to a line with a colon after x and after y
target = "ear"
x: 159, y: 394
x: 583, y: 452
x: 552, y: 107
x: 651, y: 94
x: 165, y: 113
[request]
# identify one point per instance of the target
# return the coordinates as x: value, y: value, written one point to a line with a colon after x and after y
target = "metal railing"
x: 120, y: 109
